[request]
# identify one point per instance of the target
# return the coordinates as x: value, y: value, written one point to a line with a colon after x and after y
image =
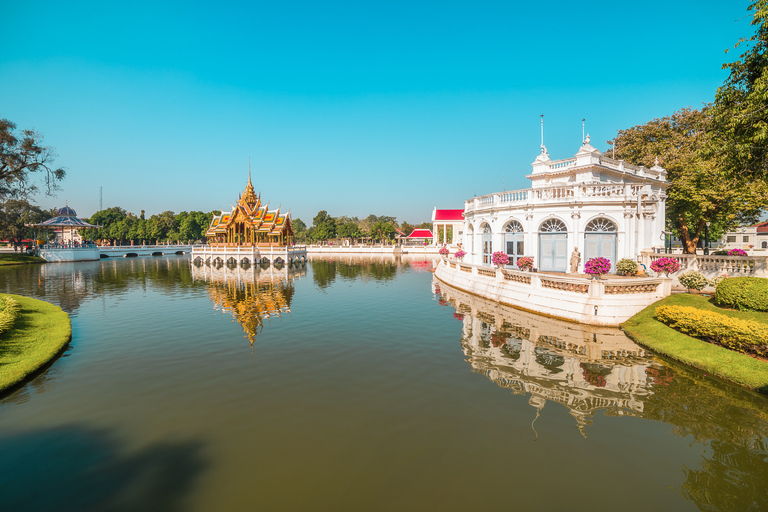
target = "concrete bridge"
x: 127, y: 251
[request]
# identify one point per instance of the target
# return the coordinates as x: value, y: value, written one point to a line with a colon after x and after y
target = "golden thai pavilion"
x: 250, y: 224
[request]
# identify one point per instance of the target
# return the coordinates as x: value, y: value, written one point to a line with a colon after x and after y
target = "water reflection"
x: 584, y: 368
x: 588, y: 369
x: 350, y: 267
x: 69, y: 285
x: 250, y: 293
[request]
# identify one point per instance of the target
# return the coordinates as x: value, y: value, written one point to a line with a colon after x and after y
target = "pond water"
x: 355, y: 384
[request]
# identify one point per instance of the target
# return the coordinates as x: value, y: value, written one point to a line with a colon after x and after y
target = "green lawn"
x: 40, y: 332
x: 742, y: 369
x: 12, y: 258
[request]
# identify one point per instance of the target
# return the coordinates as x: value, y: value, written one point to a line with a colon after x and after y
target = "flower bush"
x: 459, y: 255
x: 444, y: 251
x: 693, y: 280
x: 666, y: 265
x: 737, y: 252
x: 626, y: 267
x: 717, y: 280
x: 597, y: 266
x: 525, y: 263
x: 499, y: 258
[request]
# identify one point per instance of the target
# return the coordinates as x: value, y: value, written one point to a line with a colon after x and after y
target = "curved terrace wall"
x: 607, y: 301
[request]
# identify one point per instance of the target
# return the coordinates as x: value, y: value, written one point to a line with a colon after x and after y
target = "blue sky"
x: 357, y: 108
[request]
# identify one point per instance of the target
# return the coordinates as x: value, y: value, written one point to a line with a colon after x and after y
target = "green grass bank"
x: 741, y: 369
x: 39, y: 334
x: 12, y: 258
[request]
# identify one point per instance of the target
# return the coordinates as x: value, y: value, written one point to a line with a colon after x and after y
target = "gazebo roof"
x: 65, y: 218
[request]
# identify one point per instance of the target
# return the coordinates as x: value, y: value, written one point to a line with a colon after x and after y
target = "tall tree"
x: 20, y: 156
x: 299, y: 230
x: 740, y: 112
x: 324, y: 226
x: 702, y: 188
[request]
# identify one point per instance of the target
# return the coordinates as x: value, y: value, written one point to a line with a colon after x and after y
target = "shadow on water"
x: 81, y: 469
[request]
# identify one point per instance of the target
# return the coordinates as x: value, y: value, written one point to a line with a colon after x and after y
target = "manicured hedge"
x: 9, y: 310
x: 743, y: 293
x: 746, y: 336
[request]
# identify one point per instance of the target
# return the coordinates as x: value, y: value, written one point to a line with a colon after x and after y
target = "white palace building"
x: 603, y: 207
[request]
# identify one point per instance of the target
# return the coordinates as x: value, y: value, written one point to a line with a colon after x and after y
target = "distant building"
x: 746, y: 238
x: 448, y: 226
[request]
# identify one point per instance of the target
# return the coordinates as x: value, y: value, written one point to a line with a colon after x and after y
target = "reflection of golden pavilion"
x: 250, y: 295
x: 584, y: 368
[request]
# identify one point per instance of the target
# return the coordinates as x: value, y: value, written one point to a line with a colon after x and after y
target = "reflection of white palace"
x: 604, y: 207
x: 584, y: 368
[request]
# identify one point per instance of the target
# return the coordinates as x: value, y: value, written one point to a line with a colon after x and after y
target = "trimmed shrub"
x: 693, y: 280
x: 746, y: 336
x: 743, y: 293
x: 626, y: 267
x: 9, y: 310
x: 720, y: 253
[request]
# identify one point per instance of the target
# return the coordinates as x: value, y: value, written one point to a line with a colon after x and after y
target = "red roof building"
x: 448, y: 225
x: 421, y: 234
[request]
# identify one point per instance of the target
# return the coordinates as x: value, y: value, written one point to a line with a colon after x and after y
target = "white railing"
x: 557, y: 194
x: 559, y: 164
x: 713, y: 266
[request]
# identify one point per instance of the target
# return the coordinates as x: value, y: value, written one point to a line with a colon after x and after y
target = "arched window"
x: 600, y: 240
x: 514, y: 242
x: 765, y: 245
x: 553, y: 226
x: 553, y: 245
x: 600, y: 225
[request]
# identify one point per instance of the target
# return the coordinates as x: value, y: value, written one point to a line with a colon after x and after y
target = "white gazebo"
x: 68, y: 247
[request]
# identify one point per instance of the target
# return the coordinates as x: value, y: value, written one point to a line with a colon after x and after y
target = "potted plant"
x: 500, y: 258
x: 626, y: 267
x: 665, y: 265
x: 737, y: 252
x: 693, y: 280
x: 459, y: 255
x: 525, y: 263
x: 596, y: 267
x: 443, y: 251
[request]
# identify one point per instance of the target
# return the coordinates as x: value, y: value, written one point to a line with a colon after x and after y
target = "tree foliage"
x: 702, y: 186
x: 21, y: 155
x: 740, y: 112
x: 122, y: 227
x: 324, y: 226
x: 15, y: 214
